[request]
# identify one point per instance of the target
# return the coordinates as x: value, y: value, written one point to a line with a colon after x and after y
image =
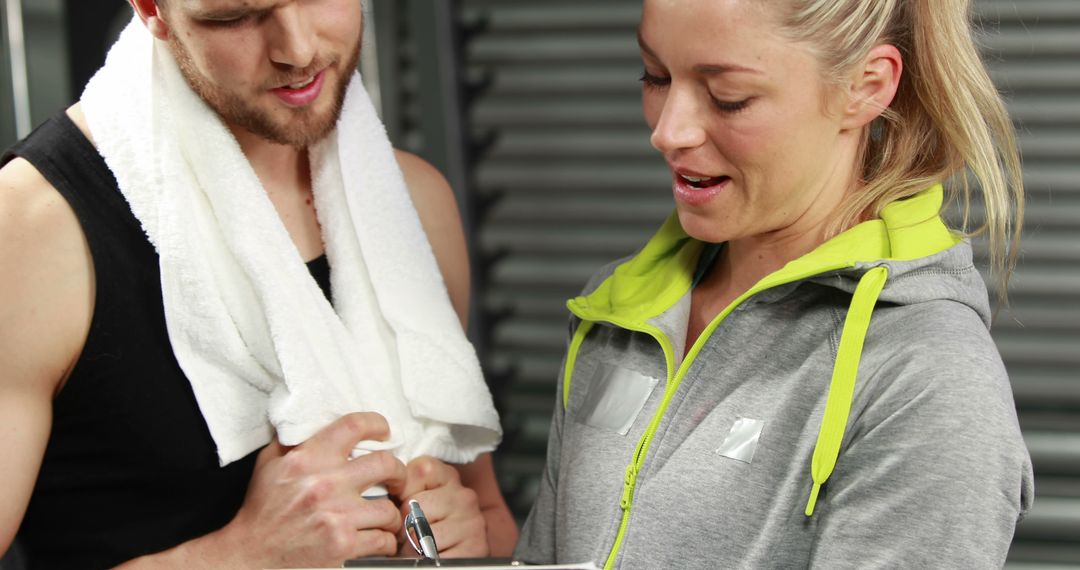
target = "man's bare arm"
x: 47, y: 287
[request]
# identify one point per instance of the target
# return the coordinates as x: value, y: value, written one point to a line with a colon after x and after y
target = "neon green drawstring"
x: 571, y: 358
x: 842, y: 386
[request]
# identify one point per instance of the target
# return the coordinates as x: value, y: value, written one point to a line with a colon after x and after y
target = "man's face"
x: 275, y: 68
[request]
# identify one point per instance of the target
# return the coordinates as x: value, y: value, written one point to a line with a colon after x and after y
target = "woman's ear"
x: 873, y: 86
x: 149, y: 13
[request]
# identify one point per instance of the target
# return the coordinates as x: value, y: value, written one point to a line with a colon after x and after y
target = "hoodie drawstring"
x: 842, y: 386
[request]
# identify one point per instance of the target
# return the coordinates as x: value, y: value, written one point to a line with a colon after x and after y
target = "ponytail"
x: 947, y: 122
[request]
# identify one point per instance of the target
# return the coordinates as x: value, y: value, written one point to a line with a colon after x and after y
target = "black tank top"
x: 130, y: 467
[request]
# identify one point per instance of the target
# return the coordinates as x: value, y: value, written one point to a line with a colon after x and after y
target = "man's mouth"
x: 310, y: 75
x: 301, y: 93
x: 301, y: 84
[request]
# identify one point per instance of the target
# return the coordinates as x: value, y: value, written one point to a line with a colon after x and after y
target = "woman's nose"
x: 680, y: 125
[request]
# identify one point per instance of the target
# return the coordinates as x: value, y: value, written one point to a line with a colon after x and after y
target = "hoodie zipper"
x: 630, y: 476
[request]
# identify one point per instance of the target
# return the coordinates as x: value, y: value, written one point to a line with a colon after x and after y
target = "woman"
x: 796, y: 370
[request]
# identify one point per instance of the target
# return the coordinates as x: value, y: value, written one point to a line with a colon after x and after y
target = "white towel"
x: 262, y: 347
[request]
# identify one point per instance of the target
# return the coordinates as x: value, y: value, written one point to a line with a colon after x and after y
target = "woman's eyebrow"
x: 702, y: 68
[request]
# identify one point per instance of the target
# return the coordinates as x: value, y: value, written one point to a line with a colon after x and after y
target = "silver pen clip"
x: 424, y: 543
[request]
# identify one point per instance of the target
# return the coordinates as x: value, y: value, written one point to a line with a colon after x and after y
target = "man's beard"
x: 302, y: 129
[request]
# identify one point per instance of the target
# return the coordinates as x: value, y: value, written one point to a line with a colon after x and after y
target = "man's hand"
x: 452, y: 509
x: 303, y: 507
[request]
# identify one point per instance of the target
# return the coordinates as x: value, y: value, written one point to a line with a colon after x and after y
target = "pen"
x: 424, y: 536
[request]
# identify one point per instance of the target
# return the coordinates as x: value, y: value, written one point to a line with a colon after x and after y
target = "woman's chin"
x: 703, y: 227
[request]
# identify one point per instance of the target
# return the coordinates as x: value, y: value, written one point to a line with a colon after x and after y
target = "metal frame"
x: 14, y: 32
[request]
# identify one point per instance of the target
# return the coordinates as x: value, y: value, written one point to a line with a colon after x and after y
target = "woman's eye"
x: 653, y: 81
x: 731, y: 106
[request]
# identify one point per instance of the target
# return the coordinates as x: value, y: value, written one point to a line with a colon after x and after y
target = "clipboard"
x: 463, y: 564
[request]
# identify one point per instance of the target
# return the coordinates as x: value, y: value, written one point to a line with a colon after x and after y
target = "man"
x: 106, y: 457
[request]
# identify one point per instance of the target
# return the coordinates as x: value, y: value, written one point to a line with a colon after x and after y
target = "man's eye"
x: 229, y: 22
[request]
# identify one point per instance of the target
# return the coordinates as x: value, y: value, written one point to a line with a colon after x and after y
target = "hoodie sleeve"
x: 934, y: 472
x: 537, y: 543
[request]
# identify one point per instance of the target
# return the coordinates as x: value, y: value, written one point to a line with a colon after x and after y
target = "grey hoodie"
x: 656, y: 460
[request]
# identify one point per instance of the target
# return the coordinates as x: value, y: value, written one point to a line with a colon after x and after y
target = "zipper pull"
x: 629, y: 480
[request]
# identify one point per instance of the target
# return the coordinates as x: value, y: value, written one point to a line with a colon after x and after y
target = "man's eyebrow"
x: 701, y: 68
x: 228, y: 13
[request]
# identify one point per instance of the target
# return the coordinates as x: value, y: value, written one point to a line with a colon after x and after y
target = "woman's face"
x: 744, y: 120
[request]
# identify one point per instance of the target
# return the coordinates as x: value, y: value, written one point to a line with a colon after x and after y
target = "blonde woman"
x: 796, y: 371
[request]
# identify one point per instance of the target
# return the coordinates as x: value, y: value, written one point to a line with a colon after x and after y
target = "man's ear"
x: 149, y: 14
x: 873, y: 86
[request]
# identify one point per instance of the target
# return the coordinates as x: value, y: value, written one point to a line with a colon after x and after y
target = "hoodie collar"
x: 663, y: 271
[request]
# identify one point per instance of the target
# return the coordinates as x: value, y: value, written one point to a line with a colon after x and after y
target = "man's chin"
x: 297, y: 127
x: 301, y: 127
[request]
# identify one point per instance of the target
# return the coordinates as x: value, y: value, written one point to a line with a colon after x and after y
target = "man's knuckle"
x: 355, y: 423
x: 296, y: 462
x: 324, y: 524
x: 389, y: 516
x: 425, y: 467
x: 385, y: 462
x: 342, y: 542
x: 367, y: 423
x: 469, y: 498
x: 315, y: 491
x: 374, y: 542
x: 389, y: 545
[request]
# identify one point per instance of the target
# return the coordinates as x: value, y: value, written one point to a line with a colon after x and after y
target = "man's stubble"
x: 304, y: 127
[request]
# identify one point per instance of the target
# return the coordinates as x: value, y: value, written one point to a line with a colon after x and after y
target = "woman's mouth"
x: 696, y: 190
x: 703, y: 181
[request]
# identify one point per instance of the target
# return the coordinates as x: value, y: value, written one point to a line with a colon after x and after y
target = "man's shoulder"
x: 424, y: 181
x: 29, y: 204
x: 39, y: 230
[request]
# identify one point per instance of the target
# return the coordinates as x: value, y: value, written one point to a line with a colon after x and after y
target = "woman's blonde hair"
x: 947, y: 114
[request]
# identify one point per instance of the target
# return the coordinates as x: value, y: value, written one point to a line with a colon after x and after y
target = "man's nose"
x: 293, y: 40
x: 680, y: 126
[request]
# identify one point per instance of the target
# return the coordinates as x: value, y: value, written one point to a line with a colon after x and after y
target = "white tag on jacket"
x: 615, y: 397
x: 741, y: 443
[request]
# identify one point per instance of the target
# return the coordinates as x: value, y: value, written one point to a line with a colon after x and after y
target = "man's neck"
x: 278, y: 166
x: 285, y: 174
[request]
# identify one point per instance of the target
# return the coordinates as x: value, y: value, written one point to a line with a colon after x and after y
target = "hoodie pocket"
x: 615, y: 398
